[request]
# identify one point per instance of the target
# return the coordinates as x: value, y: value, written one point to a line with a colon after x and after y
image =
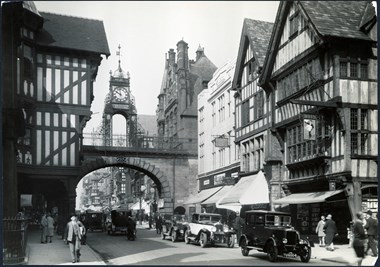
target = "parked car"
x: 174, y: 226
x: 207, y: 228
x: 122, y: 222
x: 94, y: 220
x: 271, y: 232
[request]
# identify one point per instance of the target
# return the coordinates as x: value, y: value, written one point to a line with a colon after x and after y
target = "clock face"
x: 120, y: 94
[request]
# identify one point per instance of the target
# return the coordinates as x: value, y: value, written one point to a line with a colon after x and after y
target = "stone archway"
x: 163, y: 186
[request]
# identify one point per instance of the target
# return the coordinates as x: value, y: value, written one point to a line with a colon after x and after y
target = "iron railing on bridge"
x: 15, y: 240
x: 140, y: 142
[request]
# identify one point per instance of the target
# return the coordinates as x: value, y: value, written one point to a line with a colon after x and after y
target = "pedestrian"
x: 359, y: 237
x: 150, y: 219
x: 371, y: 227
x: 350, y: 235
x: 83, y: 232
x: 73, y: 237
x: 330, y: 231
x: 238, y: 225
x: 43, y: 225
x: 320, y: 231
x: 158, y: 224
x: 50, y: 227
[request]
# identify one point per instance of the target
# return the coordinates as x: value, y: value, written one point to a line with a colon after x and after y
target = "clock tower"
x: 120, y: 101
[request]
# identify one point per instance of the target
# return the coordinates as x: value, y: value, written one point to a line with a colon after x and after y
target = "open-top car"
x: 271, y: 232
x: 174, y: 226
x: 207, y: 228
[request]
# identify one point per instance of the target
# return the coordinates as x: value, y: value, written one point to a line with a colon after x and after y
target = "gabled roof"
x: 339, y: 18
x: 257, y: 34
x: 74, y: 33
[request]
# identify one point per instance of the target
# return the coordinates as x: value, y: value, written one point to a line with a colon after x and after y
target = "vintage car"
x: 174, y: 226
x: 207, y: 228
x: 94, y: 220
x: 271, y: 232
x: 122, y: 222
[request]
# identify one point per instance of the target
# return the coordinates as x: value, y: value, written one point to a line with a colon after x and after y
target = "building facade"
x: 218, y: 160
x: 252, y: 121
x: 321, y: 75
x: 183, y: 80
x: 51, y: 62
x: 177, y: 109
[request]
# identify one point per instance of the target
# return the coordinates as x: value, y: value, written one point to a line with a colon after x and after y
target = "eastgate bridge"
x: 171, y: 165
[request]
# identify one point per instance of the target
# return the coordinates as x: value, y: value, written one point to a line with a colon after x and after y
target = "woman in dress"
x: 320, y: 232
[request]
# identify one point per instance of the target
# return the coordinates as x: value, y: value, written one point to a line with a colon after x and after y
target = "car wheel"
x: 174, y: 236
x: 187, y: 239
x: 244, y: 249
x: 305, y: 254
x: 231, y: 241
x: 162, y: 235
x: 203, y: 240
x: 272, y: 252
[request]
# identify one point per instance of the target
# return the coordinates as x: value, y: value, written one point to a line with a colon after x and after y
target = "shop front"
x: 307, y: 208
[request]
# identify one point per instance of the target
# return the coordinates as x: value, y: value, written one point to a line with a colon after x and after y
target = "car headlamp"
x: 213, y: 229
x: 284, y: 240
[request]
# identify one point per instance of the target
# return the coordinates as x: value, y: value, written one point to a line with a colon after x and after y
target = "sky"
x: 146, y: 30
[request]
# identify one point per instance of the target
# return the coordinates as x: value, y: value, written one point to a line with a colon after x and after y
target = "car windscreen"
x: 277, y: 220
x: 206, y: 218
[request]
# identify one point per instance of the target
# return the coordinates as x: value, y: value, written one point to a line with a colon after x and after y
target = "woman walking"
x: 320, y: 232
x: 50, y: 227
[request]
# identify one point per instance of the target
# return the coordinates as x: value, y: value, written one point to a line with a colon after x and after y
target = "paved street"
x: 150, y: 249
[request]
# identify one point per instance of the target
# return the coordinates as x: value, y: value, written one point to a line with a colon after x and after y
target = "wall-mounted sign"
x: 221, y: 142
x: 206, y: 182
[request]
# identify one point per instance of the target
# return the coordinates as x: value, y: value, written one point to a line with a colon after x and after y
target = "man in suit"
x: 73, y: 237
x: 371, y: 227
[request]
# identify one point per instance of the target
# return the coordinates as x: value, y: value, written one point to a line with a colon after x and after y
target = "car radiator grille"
x: 291, y: 236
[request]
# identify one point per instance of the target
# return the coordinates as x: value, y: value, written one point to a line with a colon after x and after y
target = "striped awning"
x: 304, y: 198
x: 218, y: 195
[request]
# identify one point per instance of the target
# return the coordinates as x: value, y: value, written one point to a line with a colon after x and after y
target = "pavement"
x: 57, y: 253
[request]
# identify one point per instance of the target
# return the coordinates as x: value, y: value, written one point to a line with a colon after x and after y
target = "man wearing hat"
x: 73, y: 237
x: 371, y: 227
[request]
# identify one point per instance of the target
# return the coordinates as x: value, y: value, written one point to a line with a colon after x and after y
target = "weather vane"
x: 119, y: 54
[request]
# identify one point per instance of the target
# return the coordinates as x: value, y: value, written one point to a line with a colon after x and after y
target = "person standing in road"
x: 330, y: 231
x: 359, y: 237
x: 44, y: 228
x: 73, y: 237
x: 320, y: 232
x: 158, y: 224
x: 50, y: 227
x: 238, y: 225
x: 371, y: 227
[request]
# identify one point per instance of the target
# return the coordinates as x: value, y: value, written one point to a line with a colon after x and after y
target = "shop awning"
x: 218, y: 195
x: 203, y: 195
x: 144, y: 205
x: 249, y: 190
x: 304, y: 198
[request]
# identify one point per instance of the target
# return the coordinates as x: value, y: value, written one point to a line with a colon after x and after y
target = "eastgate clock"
x: 120, y: 94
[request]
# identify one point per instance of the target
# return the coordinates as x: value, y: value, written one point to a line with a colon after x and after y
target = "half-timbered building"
x: 53, y: 60
x: 321, y: 73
